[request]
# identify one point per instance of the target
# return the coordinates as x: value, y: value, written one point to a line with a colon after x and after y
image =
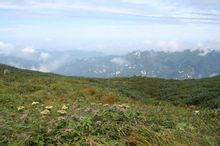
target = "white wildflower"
x: 45, y: 112
x: 20, y: 108
x: 35, y: 103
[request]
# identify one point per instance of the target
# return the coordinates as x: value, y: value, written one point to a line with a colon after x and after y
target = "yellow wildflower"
x: 93, y: 103
x: 20, y: 108
x: 62, y: 112
x: 64, y: 107
x: 49, y: 107
x: 124, y: 106
x: 35, y: 103
x: 45, y: 112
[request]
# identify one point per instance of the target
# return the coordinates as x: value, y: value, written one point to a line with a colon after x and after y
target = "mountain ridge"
x: 170, y: 65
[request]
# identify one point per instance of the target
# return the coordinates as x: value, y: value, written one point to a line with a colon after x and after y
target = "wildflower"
x: 45, y: 112
x: 61, y: 118
x: 35, y: 103
x: 105, y: 104
x: 49, y: 130
x: 98, y: 123
x: 88, y: 110
x: 48, y: 107
x: 121, y: 110
x: 20, y: 108
x: 127, y: 106
x: 62, y: 112
x: 124, y: 106
x: 93, y: 103
x: 67, y: 130
x: 6, y: 71
x: 196, y: 112
x: 64, y: 107
x: 111, y: 108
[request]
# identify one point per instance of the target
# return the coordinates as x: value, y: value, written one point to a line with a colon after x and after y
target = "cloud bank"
x: 39, y: 60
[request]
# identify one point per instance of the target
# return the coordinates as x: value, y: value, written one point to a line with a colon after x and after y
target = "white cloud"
x: 62, y: 6
x: 42, y: 68
x: 16, y: 64
x: 148, y: 42
x: 213, y: 75
x: 44, y: 56
x: 28, y: 50
x: 177, y: 46
x: 139, y: 1
x: 53, y: 65
x: 170, y: 46
x: 151, y: 8
x: 6, y: 48
x: 119, y: 61
x: 204, y: 48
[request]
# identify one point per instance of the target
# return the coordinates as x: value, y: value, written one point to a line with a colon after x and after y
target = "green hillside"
x: 39, y: 108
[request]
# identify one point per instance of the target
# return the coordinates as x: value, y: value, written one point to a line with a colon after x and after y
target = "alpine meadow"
x: 110, y: 72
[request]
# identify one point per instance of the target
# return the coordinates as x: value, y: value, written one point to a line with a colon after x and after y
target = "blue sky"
x: 110, y: 26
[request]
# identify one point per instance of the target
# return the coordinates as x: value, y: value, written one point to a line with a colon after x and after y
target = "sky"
x: 109, y: 26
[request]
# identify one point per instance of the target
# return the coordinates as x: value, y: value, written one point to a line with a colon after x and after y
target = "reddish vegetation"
x: 131, y: 141
x: 108, y: 100
x: 89, y: 90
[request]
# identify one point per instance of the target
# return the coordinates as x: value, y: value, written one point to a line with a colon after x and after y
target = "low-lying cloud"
x: 178, y: 46
x: 5, y: 48
x: 32, y: 58
x: 119, y: 61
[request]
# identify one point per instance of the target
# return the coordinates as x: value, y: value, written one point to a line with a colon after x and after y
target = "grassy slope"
x: 155, y: 111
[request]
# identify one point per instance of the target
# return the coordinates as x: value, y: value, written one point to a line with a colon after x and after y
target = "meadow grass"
x: 43, y: 109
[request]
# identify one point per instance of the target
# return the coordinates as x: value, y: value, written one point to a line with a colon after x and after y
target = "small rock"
x: 6, y: 71
x: 24, y: 117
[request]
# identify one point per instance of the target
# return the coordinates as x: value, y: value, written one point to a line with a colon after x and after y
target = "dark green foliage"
x: 202, y: 92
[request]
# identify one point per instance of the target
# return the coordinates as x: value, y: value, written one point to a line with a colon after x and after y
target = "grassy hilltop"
x: 39, y: 108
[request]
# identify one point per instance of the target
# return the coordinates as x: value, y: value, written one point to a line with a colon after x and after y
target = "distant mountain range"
x: 176, y: 65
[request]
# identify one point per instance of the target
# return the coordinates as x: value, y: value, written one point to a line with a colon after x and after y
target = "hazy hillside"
x: 181, y: 65
x: 39, y: 108
x: 45, y: 61
x: 170, y: 65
